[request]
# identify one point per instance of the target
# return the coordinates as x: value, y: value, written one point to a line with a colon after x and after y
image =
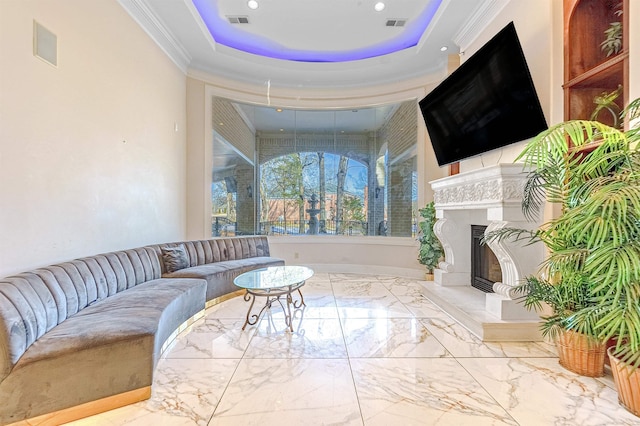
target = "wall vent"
x: 238, y: 19
x: 45, y: 44
x: 396, y: 22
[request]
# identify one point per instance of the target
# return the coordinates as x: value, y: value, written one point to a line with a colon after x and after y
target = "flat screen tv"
x: 487, y: 103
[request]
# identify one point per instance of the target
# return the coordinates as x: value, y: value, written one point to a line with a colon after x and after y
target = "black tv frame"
x: 489, y: 102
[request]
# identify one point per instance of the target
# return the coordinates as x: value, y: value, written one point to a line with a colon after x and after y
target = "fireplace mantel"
x: 490, y: 196
x: 498, y: 186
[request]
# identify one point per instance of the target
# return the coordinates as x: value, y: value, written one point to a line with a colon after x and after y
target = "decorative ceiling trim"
x: 483, y: 16
x: 228, y: 35
x: 140, y: 11
x: 434, y: 22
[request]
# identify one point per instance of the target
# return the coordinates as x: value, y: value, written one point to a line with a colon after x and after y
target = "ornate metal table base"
x: 273, y: 295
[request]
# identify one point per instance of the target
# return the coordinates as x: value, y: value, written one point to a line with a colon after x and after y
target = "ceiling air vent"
x: 396, y: 22
x: 238, y: 19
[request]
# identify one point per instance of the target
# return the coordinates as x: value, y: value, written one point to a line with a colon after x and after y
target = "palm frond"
x: 632, y: 111
x: 591, y: 277
x: 511, y: 234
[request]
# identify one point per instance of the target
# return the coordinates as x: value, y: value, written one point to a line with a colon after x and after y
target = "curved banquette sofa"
x: 84, y: 336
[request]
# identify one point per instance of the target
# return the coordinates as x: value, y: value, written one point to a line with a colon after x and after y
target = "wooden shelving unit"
x: 588, y: 72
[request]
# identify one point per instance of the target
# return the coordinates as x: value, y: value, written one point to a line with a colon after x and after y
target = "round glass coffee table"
x: 272, y: 283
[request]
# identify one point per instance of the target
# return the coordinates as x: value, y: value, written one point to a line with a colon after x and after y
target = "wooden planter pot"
x: 627, y: 381
x: 581, y: 354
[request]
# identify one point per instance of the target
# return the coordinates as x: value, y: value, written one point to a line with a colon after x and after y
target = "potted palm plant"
x: 590, y: 277
x: 431, y: 250
x: 609, y: 212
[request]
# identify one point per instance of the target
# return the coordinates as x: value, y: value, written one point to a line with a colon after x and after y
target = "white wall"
x: 539, y: 27
x: 366, y: 255
x: 70, y: 185
x: 199, y: 161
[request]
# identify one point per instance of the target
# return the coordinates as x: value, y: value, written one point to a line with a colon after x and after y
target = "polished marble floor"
x: 367, y: 350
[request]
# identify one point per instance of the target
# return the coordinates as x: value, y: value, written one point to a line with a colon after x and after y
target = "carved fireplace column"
x: 491, y: 197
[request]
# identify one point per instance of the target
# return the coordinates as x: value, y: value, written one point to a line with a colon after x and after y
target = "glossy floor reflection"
x: 367, y: 350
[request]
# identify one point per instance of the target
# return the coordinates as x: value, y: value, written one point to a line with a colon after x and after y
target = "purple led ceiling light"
x: 230, y: 36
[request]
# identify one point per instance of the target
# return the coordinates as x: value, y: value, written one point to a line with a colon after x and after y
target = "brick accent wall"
x: 233, y: 128
x: 401, y: 131
x: 401, y: 135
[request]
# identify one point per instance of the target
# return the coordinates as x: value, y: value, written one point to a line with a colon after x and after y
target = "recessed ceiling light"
x: 253, y: 4
x: 282, y: 130
x: 443, y: 48
x: 278, y: 109
x: 379, y: 7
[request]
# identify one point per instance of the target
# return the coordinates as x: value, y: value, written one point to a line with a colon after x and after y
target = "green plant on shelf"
x: 612, y: 43
x: 607, y: 102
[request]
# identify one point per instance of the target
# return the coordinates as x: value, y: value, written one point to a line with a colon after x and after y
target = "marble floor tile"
x: 366, y: 350
x: 390, y: 337
x: 323, y: 287
x: 320, y: 276
x: 312, y: 338
x: 541, y: 392
x: 371, y: 307
x: 423, y: 391
x: 233, y: 308
x: 421, y: 307
x: 212, y: 338
x: 360, y: 289
x: 462, y: 344
x: 317, y: 306
x: 184, y: 392
x: 289, y: 392
x: 401, y: 285
x: 352, y: 278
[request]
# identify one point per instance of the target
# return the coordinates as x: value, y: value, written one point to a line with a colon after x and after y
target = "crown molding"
x: 484, y: 14
x: 140, y: 11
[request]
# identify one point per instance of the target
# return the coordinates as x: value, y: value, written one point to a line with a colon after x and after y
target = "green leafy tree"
x: 353, y: 208
x: 286, y: 177
x: 280, y: 178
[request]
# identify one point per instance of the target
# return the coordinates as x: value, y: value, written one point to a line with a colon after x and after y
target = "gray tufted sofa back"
x: 201, y: 252
x: 34, y: 302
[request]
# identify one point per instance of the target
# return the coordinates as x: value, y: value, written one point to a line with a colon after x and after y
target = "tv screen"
x: 487, y: 103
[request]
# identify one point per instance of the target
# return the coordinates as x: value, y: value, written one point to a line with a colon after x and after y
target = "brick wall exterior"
x: 400, y: 133
x: 234, y: 130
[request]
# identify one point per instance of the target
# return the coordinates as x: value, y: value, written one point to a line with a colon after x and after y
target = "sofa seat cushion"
x: 220, y: 275
x: 108, y: 348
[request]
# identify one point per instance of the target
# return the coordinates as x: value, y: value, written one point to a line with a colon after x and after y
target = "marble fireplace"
x: 489, y: 197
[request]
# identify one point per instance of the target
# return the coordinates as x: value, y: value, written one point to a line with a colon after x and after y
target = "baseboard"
x: 88, y: 409
x: 367, y: 270
x: 221, y: 299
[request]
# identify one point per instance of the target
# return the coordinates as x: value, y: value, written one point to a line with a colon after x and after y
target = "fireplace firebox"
x: 485, y: 268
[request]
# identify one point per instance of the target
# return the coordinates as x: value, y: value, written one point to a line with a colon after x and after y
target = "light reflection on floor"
x: 366, y: 350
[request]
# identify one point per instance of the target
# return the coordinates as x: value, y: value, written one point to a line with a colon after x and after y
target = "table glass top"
x: 273, y: 277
